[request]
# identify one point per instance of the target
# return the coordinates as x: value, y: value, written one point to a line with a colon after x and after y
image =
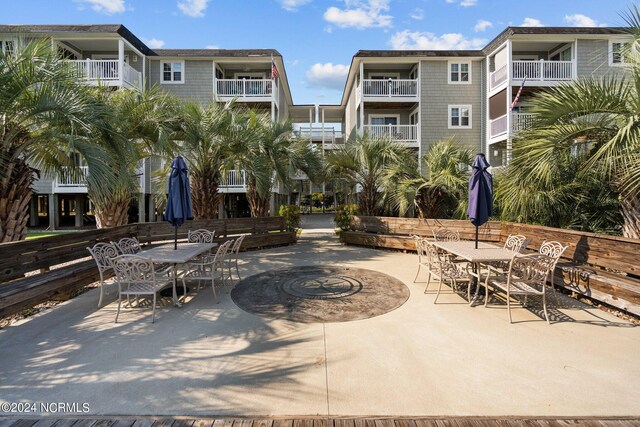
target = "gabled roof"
x: 216, y: 53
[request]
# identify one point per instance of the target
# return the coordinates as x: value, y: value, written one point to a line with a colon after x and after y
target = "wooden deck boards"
x: 318, y: 422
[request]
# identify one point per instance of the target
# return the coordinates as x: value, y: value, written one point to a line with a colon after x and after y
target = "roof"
x: 80, y: 28
x: 214, y: 53
x: 421, y: 53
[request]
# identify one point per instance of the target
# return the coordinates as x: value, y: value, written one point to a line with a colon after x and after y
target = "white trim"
x: 67, y: 47
x: 383, y: 116
x: 108, y: 56
x: 262, y: 75
x: 450, y: 107
x: 382, y: 74
x: 171, y: 82
x: 610, y: 52
x: 459, y: 82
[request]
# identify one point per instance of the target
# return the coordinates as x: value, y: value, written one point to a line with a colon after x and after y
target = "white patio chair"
x: 446, y: 235
x: 209, y: 268
x: 554, y: 250
x: 103, y: 254
x: 201, y: 236
x: 442, y: 266
x: 136, y: 276
x: 422, y: 256
x: 129, y: 246
x: 516, y: 243
x: 527, y: 275
x: 231, y: 259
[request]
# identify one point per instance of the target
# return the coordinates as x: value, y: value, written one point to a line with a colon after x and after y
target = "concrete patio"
x: 419, y: 360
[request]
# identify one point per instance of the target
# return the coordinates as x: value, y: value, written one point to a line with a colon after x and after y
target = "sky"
x: 317, y: 38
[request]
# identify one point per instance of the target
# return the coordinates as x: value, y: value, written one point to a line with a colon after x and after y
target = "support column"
x: 221, y: 208
x: 142, y: 208
x: 79, y: 211
x: 33, y: 211
x: 121, y: 61
x: 151, y: 208
x: 54, y: 220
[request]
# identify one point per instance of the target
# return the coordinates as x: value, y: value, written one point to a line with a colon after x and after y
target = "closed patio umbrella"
x: 480, y: 193
x: 179, y: 197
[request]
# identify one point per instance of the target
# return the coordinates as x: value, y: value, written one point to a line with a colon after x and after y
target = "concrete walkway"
x: 419, y: 360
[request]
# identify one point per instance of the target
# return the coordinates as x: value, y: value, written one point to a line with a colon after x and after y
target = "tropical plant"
x: 595, y: 116
x: 344, y: 214
x: 443, y: 191
x: 363, y: 162
x: 144, y: 125
x: 267, y: 152
x: 291, y: 215
x: 47, y: 122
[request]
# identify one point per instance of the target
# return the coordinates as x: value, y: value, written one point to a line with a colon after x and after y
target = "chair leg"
x: 153, y: 311
x: 439, y: 288
x: 417, y: 272
x: 509, y: 307
x: 213, y: 286
x: 101, y: 294
x: 184, y: 290
x: 118, y: 311
x: 544, y: 307
x: 428, y: 281
x: 238, y: 271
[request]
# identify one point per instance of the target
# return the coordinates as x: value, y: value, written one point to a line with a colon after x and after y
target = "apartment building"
x: 111, y: 55
x: 419, y: 97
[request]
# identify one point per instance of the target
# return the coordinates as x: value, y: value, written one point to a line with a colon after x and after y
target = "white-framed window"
x: 459, y: 72
x: 459, y: 116
x: 171, y: 71
x: 618, y: 51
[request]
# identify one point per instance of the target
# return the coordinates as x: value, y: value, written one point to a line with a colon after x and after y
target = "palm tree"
x: 144, y: 125
x: 364, y: 162
x: 598, y: 117
x: 268, y: 153
x: 445, y: 186
x: 46, y: 119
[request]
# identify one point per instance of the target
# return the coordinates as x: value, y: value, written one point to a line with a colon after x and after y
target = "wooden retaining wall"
x: 605, y: 268
x: 33, y: 271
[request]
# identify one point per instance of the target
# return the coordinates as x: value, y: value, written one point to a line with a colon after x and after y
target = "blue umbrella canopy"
x: 179, y: 198
x: 480, y: 192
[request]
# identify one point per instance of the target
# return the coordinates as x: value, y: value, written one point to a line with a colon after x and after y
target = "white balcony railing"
x: 542, y: 70
x: 400, y: 133
x: 498, y: 77
x: 498, y: 126
x: 243, y: 88
x: 68, y: 179
x: 391, y: 88
x: 318, y: 134
x: 521, y: 121
x: 235, y: 180
x: 106, y: 72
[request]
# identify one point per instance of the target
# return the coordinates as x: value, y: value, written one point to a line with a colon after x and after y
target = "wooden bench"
x: 27, y: 277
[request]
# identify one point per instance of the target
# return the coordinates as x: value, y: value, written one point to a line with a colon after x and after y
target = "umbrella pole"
x: 476, y: 237
x: 175, y: 237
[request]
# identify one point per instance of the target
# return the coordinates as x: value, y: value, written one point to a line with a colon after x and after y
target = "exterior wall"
x: 282, y: 105
x: 198, y: 80
x: 437, y: 95
x: 44, y: 185
x: 351, y: 115
x: 593, y: 59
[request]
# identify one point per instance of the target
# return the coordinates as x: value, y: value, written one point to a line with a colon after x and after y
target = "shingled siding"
x: 593, y: 59
x: 198, y: 80
x: 437, y: 95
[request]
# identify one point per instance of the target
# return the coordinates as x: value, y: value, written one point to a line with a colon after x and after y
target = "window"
x: 172, y: 71
x: 459, y: 116
x: 383, y: 120
x: 618, y: 50
x: 459, y: 72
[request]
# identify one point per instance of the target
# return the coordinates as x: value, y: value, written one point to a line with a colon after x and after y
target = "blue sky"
x: 317, y: 37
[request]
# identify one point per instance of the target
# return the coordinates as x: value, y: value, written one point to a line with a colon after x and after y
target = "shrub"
x: 291, y: 214
x: 344, y: 213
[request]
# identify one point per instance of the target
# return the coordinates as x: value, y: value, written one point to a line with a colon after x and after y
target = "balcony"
x: 519, y: 121
x: 66, y: 182
x: 537, y: 73
x: 258, y: 90
x: 389, y: 90
x: 106, y: 72
x: 406, y: 134
x: 328, y: 135
x: 235, y: 182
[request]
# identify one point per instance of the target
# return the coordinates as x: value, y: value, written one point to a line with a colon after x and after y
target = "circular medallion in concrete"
x: 320, y: 294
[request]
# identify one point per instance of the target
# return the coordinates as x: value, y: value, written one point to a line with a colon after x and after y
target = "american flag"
x: 515, y: 101
x: 274, y: 70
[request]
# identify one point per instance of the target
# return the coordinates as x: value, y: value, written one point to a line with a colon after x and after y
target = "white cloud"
x: 531, y: 22
x: 154, y: 43
x: 482, y: 25
x: 292, y: 5
x: 417, y: 40
x: 193, y: 8
x: 108, y: 7
x: 580, y: 20
x: 360, y: 14
x: 417, y: 14
x: 464, y: 3
x: 328, y: 75
x: 212, y: 46
x: 294, y: 62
